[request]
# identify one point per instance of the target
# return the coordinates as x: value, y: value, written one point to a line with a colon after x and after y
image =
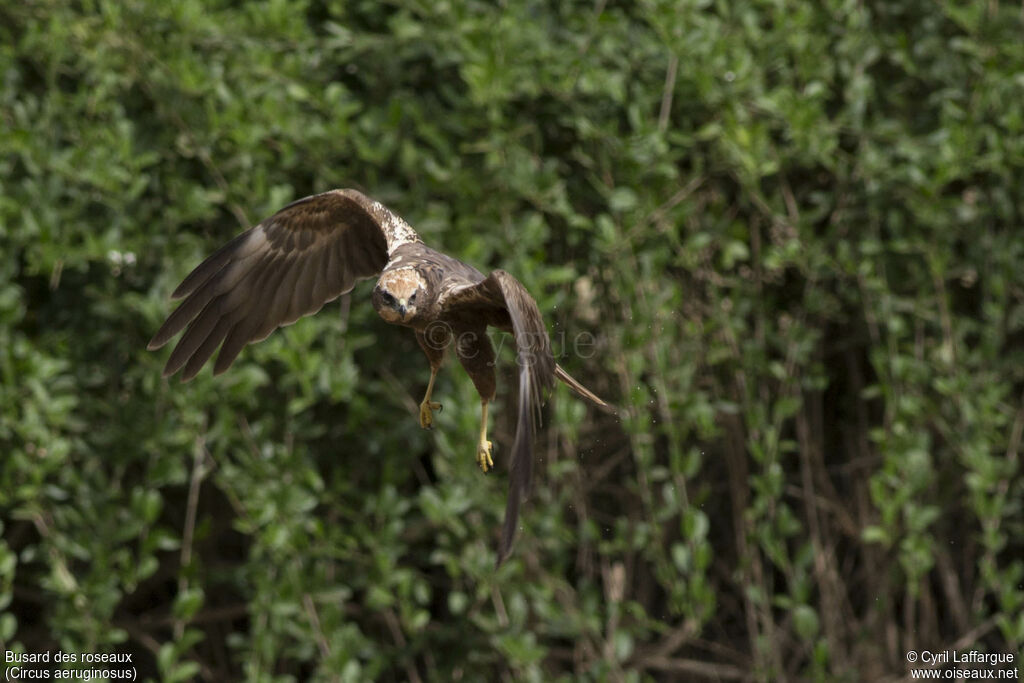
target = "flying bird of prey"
x: 317, y: 248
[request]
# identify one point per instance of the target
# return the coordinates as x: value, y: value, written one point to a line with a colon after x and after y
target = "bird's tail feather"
x: 567, y: 379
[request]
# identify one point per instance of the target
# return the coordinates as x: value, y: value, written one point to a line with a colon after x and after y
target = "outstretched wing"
x: 288, y: 266
x: 504, y: 302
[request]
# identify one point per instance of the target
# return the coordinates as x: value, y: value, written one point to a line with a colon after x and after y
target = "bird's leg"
x: 426, y: 405
x: 483, y: 450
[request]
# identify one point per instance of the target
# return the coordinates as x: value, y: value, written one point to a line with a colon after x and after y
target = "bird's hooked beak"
x: 402, y: 307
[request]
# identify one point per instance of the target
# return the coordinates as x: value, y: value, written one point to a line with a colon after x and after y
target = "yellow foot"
x: 427, y: 409
x: 483, y: 456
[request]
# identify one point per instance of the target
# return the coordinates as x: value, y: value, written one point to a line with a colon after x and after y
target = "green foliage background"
x: 795, y: 230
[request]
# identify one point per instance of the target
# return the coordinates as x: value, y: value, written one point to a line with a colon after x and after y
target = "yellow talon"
x: 427, y: 409
x: 427, y: 406
x: 483, y: 450
x: 483, y: 456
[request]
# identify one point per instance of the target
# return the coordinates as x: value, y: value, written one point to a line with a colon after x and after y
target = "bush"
x: 794, y: 230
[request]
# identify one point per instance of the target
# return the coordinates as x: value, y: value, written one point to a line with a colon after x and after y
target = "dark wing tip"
x: 168, y: 370
x: 508, y: 529
x: 162, y: 336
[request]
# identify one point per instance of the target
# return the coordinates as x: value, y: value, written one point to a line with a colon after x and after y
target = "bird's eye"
x: 386, y: 296
x: 412, y: 298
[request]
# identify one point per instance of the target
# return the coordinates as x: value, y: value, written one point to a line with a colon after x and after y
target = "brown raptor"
x: 317, y: 248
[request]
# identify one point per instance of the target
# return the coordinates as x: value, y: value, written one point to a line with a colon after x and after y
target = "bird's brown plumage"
x: 500, y: 295
x: 288, y: 266
x: 317, y: 248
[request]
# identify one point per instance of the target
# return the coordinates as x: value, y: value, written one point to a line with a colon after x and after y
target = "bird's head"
x: 397, y: 294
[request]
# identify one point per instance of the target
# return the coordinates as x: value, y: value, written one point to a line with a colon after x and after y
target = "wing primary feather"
x: 235, y: 341
x: 308, y: 288
x: 521, y: 470
x: 332, y: 269
x: 225, y: 305
x: 279, y: 308
x: 212, y: 264
x: 206, y: 349
x: 348, y: 244
x: 177, y: 320
x: 198, y: 330
x: 248, y: 320
x: 226, y: 279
